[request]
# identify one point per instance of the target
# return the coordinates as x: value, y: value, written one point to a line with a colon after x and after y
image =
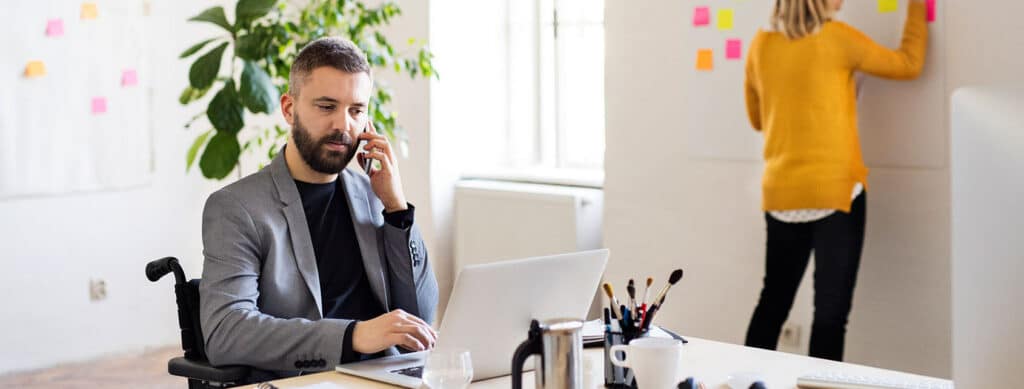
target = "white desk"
x: 709, y: 361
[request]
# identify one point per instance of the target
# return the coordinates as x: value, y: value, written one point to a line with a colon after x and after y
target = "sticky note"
x: 701, y: 16
x: 99, y: 105
x: 705, y: 59
x: 129, y: 77
x: 885, y: 6
x: 54, y: 27
x: 89, y: 11
x: 725, y: 19
x: 733, y: 49
x: 931, y: 10
x: 35, y: 69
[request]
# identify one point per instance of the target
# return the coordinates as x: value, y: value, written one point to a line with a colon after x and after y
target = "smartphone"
x: 367, y: 161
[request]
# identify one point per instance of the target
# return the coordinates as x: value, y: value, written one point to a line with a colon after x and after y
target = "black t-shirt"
x: 344, y: 288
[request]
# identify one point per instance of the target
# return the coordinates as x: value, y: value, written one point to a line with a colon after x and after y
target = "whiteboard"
x: 51, y: 141
x: 902, y: 123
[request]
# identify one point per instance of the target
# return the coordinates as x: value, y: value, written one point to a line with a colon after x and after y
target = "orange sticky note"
x: 705, y: 59
x: 89, y: 11
x: 35, y: 69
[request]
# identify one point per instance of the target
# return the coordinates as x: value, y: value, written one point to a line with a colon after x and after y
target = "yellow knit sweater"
x: 802, y: 95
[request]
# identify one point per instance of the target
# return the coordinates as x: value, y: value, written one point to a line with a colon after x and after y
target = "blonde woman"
x: 801, y: 94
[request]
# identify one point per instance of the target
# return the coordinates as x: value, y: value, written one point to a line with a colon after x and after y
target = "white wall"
x: 51, y: 246
x: 112, y: 235
x: 703, y: 215
x: 468, y: 112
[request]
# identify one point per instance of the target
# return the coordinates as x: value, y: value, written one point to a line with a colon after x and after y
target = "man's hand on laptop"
x: 395, y: 328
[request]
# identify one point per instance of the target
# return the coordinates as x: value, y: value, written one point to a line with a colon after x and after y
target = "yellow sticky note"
x: 725, y: 19
x: 35, y: 69
x: 89, y: 11
x: 886, y: 6
x: 705, y: 59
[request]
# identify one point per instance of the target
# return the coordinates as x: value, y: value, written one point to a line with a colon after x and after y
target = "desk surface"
x: 709, y: 361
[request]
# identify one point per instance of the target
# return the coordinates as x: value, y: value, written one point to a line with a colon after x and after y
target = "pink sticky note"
x: 701, y: 16
x: 931, y: 10
x: 99, y: 105
x: 733, y: 49
x: 54, y: 27
x: 129, y: 77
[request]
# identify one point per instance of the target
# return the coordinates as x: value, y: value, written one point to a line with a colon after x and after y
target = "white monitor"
x: 987, y: 165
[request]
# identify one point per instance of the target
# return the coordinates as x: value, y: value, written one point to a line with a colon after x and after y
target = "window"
x: 555, y: 79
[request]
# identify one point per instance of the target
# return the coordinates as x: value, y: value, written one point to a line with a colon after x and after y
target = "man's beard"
x: 315, y: 152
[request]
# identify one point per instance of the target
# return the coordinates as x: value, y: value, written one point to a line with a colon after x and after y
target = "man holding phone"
x: 308, y: 264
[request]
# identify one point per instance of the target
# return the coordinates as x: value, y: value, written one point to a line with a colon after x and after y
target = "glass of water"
x: 448, y: 369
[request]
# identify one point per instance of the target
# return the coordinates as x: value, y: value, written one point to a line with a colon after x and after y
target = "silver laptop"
x: 490, y: 310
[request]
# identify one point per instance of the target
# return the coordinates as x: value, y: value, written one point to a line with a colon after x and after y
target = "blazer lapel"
x: 298, y: 228
x: 366, y: 225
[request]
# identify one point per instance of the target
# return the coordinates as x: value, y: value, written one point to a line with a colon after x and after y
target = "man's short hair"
x: 338, y: 53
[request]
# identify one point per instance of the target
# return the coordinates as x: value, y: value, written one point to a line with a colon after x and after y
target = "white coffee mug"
x: 656, y: 362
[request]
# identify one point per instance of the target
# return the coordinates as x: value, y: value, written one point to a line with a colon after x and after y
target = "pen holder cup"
x: 616, y: 376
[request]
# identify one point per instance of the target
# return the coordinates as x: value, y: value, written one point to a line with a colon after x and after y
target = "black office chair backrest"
x: 187, y: 295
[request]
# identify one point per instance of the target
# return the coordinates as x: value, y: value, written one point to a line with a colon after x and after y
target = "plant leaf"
x: 191, y: 94
x: 251, y: 46
x: 257, y: 90
x: 225, y: 112
x: 220, y: 156
x: 199, y: 142
x: 213, y: 15
x: 196, y: 47
x: 205, y: 69
x: 249, y: 10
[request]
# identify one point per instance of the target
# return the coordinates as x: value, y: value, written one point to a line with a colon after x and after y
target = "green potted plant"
x: 262, y: 43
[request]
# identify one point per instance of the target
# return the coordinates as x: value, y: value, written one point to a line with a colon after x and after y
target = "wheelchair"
x: 193, y: 365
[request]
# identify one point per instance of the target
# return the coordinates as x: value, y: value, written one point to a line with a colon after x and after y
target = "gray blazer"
x: 260, y: 293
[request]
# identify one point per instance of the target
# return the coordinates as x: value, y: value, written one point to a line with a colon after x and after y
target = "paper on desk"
x: 321, y: 385
x: 594, y: 330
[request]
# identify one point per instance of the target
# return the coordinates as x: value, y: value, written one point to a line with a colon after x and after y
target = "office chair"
x: 193, y: 365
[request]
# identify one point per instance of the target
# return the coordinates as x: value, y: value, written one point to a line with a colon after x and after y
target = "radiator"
x: 501, y: 220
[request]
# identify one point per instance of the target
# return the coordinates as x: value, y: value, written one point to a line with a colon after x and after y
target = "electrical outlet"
x: 791, y: 334
x: 97, y: 289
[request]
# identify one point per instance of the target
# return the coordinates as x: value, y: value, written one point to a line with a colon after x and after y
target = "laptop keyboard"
x: 415, y: 371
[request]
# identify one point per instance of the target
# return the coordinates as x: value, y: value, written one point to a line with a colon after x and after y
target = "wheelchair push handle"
x: 160, y: 267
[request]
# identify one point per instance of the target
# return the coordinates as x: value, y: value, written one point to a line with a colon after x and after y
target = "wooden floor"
x: 141, y: 370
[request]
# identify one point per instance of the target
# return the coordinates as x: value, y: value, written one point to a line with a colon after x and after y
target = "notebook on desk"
x: 593, y: 333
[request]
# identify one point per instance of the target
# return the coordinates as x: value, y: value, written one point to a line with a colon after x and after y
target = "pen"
x: 607, y: 320
x: 626, y: 323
